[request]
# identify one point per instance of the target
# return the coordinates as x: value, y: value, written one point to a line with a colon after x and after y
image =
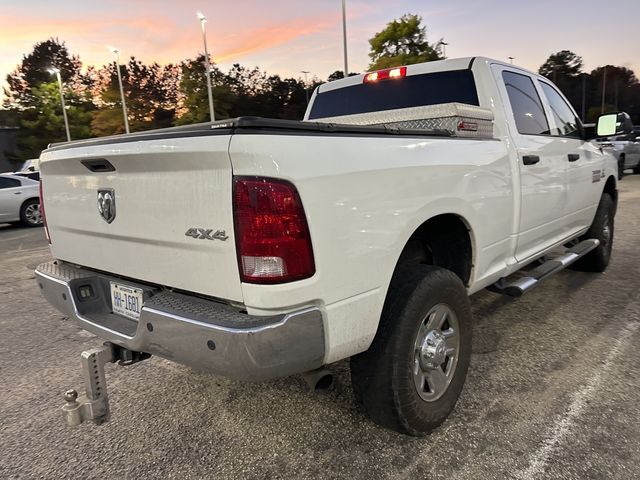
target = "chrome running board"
x: 522, y: 285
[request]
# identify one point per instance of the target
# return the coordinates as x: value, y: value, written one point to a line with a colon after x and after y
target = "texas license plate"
x: 126, y: 301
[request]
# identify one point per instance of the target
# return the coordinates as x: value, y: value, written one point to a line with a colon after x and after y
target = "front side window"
x: 525, y: 104
x: 566, y: 120
x: 9, y: 182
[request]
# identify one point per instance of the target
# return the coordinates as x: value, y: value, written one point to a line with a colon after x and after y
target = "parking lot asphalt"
x: 553, y: 392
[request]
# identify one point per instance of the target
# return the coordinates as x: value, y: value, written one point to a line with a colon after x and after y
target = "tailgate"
x: 162, y: 189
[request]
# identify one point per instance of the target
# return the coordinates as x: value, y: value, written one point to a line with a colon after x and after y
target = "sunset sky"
x: 287, y: 36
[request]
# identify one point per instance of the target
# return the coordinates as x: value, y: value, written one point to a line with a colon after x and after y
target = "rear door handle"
x: 530, y: 159
x: 573, y: 157
x: 17, y: 193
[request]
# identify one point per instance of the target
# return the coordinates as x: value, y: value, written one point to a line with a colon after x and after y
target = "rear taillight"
x: 44, y: 219
x: 272, y: 235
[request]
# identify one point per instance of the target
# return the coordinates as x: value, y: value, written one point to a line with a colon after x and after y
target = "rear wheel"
x: 30, y: 215
x: 412, y: 375
x: 636, y: 169
x: 602, y: 228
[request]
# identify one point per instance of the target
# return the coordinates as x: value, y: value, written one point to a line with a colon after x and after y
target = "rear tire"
x: 602, y: 228
x: 30, y: 214
x: 621, y: 167
x: 412, y: 375
x: 636, y: 169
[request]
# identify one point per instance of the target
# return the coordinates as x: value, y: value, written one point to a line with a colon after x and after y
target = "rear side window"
x: 411, y: 91
x: 566, y: 120
x: 9, y: 182
x: 526, y: 105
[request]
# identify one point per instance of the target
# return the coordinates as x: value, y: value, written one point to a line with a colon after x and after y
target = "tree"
x: 561, y: 65
x: 564, y: 69
x: 283, y: 98
x: 34, y: 70
x: 33, y: 98
x: 246, y: 85
x: 194, y: 96
x: 150, y: 91
x: 622, y: 91
x: 338, y: 74
x: 402, y: 42
x: 43, y: 123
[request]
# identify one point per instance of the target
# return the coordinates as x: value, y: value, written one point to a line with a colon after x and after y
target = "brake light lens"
x: 272, y: 235
x: 44, y: 218
x: 389, y: 73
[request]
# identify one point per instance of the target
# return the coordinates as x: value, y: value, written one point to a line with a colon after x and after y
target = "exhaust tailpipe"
x: 319, y: 380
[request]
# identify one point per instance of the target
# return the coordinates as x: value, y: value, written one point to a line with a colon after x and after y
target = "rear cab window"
x: 410, y: 91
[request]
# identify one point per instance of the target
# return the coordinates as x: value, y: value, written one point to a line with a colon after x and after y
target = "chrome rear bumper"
x: 190, y: 330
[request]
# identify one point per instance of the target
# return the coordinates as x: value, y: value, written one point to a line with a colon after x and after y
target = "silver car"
x: 626, y: 149
x: 19, y: 200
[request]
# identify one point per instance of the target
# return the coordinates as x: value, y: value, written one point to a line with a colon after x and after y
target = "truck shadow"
x: 326, y: 428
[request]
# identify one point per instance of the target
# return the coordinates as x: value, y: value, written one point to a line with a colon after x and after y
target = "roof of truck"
x: 449, y: 64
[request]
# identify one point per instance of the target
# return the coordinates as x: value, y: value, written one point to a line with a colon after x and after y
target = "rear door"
x: 634, y: 138
x: 542, y: 163
x: 155, y: 210
x: 583, y: 160
x: 11, y: 198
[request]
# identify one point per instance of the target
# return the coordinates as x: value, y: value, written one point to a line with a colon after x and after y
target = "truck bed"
x: 250, y: 125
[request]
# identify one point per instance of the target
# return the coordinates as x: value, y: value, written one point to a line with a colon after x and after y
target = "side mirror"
x: 611, y: 124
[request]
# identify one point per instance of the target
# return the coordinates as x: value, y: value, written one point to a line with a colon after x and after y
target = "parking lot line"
x: 564, y: 423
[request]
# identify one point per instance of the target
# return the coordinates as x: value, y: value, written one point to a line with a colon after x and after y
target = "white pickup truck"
x: 626, y: 150
x: 261, y: 248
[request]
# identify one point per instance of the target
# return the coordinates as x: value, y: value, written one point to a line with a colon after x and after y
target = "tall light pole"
x: 584, y: 95
x: 56, y: 72
x: 344, y: 37
x: 306, y: 87
x: 203, y: 21
x: 116, y: 52
x: 443, y: 44
x: 604, y: 88
x: 511, y: 59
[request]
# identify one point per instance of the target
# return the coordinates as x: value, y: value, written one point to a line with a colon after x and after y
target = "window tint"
x: 411, y: 91
x: 566, y: 121
x: 9, y: 182
x: 526, y: 105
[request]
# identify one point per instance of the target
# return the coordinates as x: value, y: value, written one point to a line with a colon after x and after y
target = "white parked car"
x: 259, y: 248
x: 19, y: 200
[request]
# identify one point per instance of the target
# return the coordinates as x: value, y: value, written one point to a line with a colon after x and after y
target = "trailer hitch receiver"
x: 94, y: 405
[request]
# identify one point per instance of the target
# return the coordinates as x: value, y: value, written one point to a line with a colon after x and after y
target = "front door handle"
x: 530, y: 159
x: 573, y: 157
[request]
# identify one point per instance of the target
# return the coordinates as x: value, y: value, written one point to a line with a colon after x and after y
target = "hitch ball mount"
x: 94, y: 405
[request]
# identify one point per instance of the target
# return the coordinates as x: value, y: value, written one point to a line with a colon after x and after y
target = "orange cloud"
x: 268, y: 37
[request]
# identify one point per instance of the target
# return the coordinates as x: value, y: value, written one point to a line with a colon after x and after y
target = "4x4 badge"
x: 107, y: 204
x: 206, y: 234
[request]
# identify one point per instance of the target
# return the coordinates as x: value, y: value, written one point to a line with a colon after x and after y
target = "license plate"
x: 126, y: 301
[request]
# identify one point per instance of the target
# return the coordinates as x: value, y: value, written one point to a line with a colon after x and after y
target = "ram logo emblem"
x: 107, y: 204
